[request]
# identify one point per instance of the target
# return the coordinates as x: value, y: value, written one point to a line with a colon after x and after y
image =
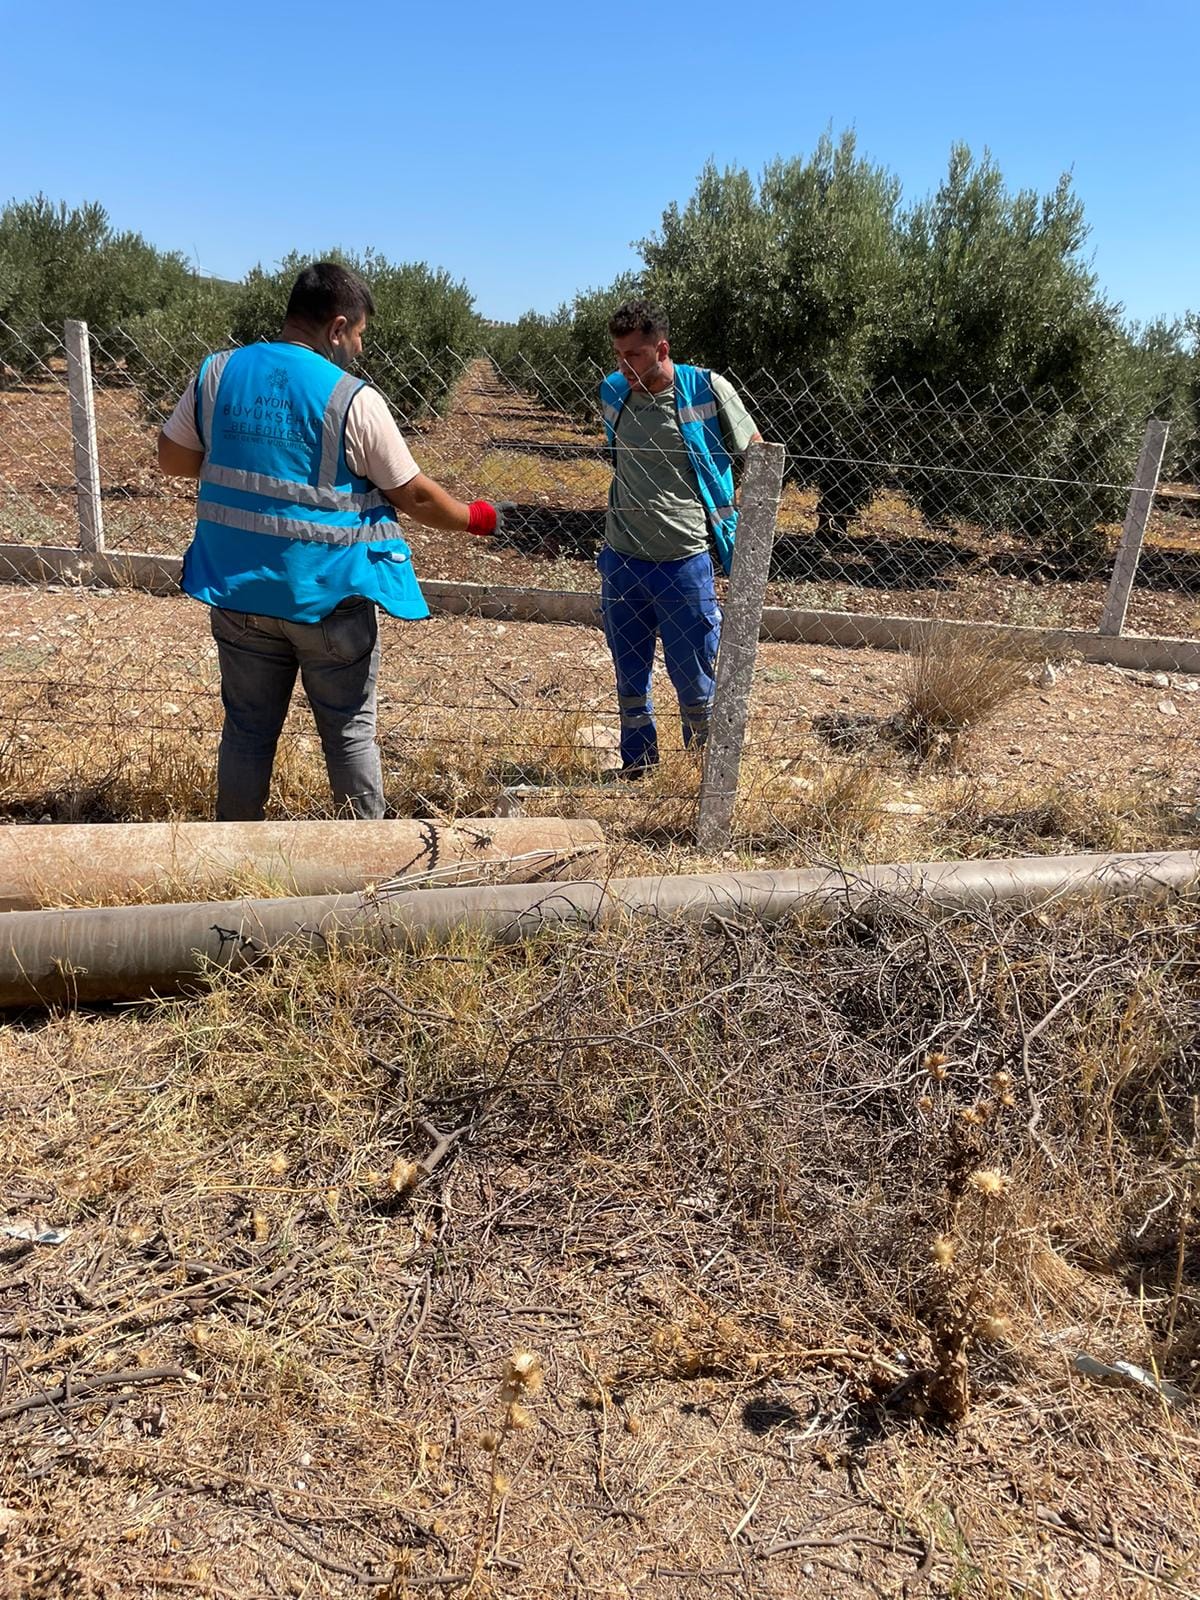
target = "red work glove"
x: 482, y: 517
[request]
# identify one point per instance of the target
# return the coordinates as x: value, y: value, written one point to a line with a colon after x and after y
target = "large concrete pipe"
x: 188, y: 860
x: 131, y: 952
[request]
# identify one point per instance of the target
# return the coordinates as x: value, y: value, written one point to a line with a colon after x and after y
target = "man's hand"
x: 177, y: 460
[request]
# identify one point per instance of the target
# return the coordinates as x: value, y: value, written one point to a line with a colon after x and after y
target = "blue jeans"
x: 643, y: 601
x: 338, y: 662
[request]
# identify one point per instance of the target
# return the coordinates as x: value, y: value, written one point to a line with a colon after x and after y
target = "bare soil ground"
x: 504, y: 445
x: 109, y: 708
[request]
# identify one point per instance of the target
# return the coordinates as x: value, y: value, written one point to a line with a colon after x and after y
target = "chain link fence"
x: 1024, y: 591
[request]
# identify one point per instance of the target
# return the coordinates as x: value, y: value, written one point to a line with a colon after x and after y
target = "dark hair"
x: 639, y: 316
x: 326, y: 290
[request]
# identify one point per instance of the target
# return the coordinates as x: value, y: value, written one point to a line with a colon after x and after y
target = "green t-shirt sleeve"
x: 736, y: 422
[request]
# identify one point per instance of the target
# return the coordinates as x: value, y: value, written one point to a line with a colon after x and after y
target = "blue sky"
x: 525, y: 146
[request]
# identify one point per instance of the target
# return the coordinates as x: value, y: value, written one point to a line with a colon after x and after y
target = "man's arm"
x: 424, y: 500
x: 177, y: 460
x: 737, y: 426
x: 739, y: 464
x: 180, y: 447
x: 376, y: 450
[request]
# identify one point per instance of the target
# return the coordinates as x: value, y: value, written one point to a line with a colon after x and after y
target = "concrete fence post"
x: 759, y: 507
x: 83, y: 435
x: 1137, y: 513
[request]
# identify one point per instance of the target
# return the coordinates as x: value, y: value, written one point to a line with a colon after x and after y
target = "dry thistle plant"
x: 703, y: 1345
x: 953, y: 681
x: 961, y: 1306
x: 520, y: 1382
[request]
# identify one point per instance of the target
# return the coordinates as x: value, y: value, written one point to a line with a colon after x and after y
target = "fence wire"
x: 959, y: 507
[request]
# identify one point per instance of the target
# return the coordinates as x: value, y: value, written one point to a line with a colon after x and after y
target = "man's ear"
x: 337, y: 328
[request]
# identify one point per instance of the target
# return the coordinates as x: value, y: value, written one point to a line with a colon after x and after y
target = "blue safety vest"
x: 700, y: 426
x: 283, y: 527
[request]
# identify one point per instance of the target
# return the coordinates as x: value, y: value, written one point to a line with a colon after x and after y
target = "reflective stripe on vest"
x: 301, y: 494
x: 292, y: 527
x: 336, y: 408
x: 331, y: 503
x: 284, y: 526
x: 698, y: 413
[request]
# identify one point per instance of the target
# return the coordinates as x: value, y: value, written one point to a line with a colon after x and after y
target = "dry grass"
x: 1040, y: 818
x: 109, y: 711
x: 956, y: 680
x: 733, y: 1188
x: 116, y: 745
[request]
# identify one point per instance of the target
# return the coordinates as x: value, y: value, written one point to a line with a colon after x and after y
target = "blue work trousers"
x: 643, y: 601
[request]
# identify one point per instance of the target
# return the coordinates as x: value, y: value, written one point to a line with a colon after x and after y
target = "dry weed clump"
x: 827, y: 809
x: 955, y: 680
x: 789, y: 1199
x: 970, y: 1275
x: 1038, y: 817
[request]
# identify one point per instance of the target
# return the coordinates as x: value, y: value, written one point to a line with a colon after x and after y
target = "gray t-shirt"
x: 654, y: 507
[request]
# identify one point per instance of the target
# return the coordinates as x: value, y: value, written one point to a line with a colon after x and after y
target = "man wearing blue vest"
x: 673, y: 434
x: 302, y: 470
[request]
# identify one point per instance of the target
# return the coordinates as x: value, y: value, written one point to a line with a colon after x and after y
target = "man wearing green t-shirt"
x: 674, y: 432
